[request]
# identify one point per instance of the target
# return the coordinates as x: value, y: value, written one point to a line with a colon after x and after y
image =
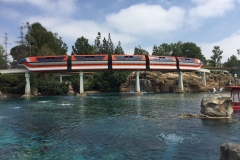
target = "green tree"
x: 162, y: 50
x: 12, y: 83
x: 38, y: 37
x: 216, y: 58
x: 139, y: 51
x: 109, y: 81
x: 18, y: 52
x: 97, y: 44
x: 104, y: 47
x: 110, y: 49
x: 191, y: 50
x: 176, y: 49
x: 82, y: 46
x: 118, y: 49
x: 232, y: 62
x: 155, y: 50
x: 3, y: 58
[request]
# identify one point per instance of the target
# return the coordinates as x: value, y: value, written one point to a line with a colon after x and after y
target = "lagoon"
x: 112, y: 126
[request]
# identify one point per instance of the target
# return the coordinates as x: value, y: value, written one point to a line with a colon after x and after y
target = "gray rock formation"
x: 168, y: 82
x: 70, y: 89
x: 217, y: 105
x: 229, y: 151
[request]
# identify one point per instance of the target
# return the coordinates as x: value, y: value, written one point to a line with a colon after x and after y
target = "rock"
x: 81, y: 94
x: 35, y: 92
x: 230, y: 151
x: 27, y: 96
x: 217, y: 105
x: 70, y: 89
x: 0, y: 94
x: 168, y: 82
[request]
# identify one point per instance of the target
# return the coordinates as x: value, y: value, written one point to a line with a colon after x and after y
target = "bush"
x: 52, y: 87
x: 12, y: 83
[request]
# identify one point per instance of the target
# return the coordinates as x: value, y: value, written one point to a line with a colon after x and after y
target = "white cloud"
x: 145, y: 19
x: 9, y: 13
x: 55, y: 7
x: 208, y: 9
x: 228, y: 45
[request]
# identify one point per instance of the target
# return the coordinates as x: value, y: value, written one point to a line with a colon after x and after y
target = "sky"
x: 207, y: 23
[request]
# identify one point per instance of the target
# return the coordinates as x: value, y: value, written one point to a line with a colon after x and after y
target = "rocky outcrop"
x: 70, y: 89
x: 230, y: 151
x: 2, y: 95
x: 27, y: 96
x: 214, y: 106
x: 168, y: 82
x: 35, y: 92
x: 217, y: 105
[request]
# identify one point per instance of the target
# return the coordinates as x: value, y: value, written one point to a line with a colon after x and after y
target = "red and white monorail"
x: 108, y: 62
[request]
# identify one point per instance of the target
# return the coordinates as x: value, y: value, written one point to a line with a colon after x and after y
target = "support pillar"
x: 60, y: 78
x: 204, y: 79
x: 27, y: 87
x: 81, y: 89
x: 180, y: 81
x: 137, y: 87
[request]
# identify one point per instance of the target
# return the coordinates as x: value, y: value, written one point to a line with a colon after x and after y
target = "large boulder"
x: 217, y: 105
x: 229, y: 151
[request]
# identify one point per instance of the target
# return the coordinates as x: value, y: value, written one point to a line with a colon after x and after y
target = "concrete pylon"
x: 60, y: 78
x: 180, y: 81
x: 137, y: 87
x: 27, y: 87
x: 204, y: 79
x: 81, y: 89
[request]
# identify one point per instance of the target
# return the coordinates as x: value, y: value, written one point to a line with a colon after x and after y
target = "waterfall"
x: 144, y: 83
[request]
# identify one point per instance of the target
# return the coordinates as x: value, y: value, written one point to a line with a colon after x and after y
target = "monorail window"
x: 187, y: 60
x: 89, y: 58
x: 120, y: 58
x: 50, y: 59
x: 128, y: 58
x: 165, y: 59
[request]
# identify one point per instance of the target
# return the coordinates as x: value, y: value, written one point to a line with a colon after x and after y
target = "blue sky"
x: 207, y: 23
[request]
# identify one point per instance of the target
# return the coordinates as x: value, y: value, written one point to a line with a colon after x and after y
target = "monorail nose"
x: 22, y: 61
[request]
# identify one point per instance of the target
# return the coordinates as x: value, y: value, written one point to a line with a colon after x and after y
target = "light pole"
x: 235, y: 78
x: 235, y: 75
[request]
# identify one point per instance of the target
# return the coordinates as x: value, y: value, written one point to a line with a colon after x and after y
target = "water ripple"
x: 178, y: 137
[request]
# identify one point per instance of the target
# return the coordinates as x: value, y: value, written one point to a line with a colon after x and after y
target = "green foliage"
x: 3, y: 59
x: 232, y: 62
x: 176, y: 49
x: 118, y: 49
x: 109, y: 81
x: 12, y: 83
x: 216, y: 58
x: 187, y: 49
x: 163, y: 50
x: 191, y: 50
x: 38, y: 37
x: 52, y: 87
x: 18, y: 52
x: 107, y: 46
x: 139, y: 51
x: 82, y: 47
x: 97, y: 44
x: 75, y: 80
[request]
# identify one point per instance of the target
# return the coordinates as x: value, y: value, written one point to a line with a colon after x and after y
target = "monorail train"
x: 108, y: 62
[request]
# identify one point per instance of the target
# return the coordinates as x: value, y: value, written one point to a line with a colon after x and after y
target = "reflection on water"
x: 111, y: 126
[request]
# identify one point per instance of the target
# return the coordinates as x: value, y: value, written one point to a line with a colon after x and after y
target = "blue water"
x: 115, y: 126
